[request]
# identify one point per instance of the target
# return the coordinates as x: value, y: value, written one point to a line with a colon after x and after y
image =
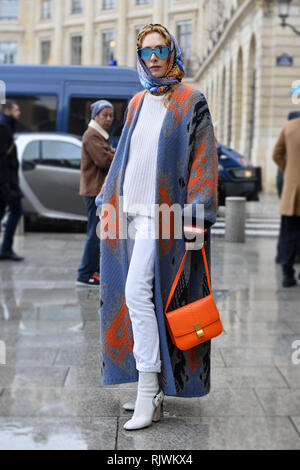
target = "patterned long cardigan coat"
x: 187, y: 173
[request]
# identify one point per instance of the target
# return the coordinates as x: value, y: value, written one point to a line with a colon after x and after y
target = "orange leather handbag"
x: 196, y: 322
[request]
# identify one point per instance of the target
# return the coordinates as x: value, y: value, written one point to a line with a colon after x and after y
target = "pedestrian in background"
x: 279, y: 184
x: 286, y: 155
x: 97, y: 155
x: 166, y: 155
x: 10, y: 193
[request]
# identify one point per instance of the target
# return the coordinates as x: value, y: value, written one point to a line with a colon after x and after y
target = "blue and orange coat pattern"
x: 187, y: 173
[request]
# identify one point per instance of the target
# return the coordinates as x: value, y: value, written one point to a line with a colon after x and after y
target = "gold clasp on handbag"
x: 199, y: 330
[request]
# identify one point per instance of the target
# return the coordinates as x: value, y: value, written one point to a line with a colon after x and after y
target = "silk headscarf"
x: 174, y: 75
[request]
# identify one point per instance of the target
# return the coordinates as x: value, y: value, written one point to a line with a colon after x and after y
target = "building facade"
x: 231, y: 51
x: 89, y: 32
x: 247, y: 70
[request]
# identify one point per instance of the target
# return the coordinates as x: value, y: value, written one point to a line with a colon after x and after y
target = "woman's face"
x: 158, y: 67
x: 105, y: 118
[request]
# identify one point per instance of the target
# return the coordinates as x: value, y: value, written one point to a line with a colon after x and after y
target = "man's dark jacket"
x: 9, y: 166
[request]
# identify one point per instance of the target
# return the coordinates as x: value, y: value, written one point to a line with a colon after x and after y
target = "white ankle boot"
x: 148, y: 403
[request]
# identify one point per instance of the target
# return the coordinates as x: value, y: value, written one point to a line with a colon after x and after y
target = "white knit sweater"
x: 140, y: 175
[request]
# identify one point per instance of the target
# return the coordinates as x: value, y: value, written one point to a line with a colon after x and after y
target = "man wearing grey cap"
x: 97, y: 156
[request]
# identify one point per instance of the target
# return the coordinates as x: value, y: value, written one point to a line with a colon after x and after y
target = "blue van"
x: 58, y: 98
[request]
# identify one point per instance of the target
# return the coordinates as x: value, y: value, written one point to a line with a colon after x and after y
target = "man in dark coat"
x: 10, y: 193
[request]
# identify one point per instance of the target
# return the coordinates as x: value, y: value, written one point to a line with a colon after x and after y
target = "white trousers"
x: 139, y: 292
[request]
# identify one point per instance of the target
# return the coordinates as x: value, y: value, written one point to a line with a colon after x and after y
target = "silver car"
x: 50, y: 175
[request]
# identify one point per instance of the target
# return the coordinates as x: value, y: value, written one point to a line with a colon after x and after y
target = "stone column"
x: 121, y: 34
x: 235, y: 105
x: 88, y: 37
x: 158, y: 11
x: 27, y: 21
x: 246, y: 95
x: 200, y: 44
x: 58, y: 41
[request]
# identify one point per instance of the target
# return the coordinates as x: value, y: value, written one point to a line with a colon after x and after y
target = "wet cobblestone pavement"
x: 50, y: 392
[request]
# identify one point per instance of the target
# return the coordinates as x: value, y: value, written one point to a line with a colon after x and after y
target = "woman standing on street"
x: 166, y: 155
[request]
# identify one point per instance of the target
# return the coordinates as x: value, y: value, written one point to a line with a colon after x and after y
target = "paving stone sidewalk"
x: 50, y: 392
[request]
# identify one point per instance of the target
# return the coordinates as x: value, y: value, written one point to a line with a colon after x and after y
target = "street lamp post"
x: 284, y: 12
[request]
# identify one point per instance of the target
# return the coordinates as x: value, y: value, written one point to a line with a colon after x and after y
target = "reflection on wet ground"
x: 50, y: 391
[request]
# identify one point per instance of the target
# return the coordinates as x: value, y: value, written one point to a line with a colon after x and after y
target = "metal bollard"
x: 235, y: 219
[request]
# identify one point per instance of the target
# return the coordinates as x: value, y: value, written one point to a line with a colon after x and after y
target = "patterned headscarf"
x: 174, y: 75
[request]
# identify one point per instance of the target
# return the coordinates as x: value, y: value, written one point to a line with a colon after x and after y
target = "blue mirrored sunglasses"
x: 160, y: 51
